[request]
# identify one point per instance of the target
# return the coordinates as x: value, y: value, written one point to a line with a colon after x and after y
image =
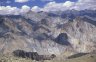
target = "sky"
x: 31, y: 3
x: 22, y: 6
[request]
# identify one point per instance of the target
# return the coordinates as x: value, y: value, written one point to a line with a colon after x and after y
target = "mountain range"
x: 55, y: 32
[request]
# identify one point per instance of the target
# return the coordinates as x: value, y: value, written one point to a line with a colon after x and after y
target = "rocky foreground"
x: 83, y: 58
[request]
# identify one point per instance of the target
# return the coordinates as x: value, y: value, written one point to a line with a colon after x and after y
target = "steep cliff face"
x: 47, y: 33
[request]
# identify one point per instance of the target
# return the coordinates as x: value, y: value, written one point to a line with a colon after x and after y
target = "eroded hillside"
x: 49, y: 33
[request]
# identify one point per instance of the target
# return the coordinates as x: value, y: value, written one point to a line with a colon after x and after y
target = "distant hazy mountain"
x: 49, y: 32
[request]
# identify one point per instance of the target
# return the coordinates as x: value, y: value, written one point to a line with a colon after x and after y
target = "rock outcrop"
x: 33, y: 55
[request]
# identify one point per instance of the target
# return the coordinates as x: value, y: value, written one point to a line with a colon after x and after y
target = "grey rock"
x: 49, y: 33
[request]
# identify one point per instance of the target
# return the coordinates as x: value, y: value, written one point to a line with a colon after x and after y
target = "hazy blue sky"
x: 31, y: 3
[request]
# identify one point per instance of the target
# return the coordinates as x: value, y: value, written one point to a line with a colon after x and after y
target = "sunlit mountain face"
x: 48, y: 30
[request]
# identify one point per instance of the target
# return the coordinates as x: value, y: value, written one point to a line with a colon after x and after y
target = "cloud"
x: 90, y: 1
x: 51, y: 6
x: 68, y: 5
x: 21, y: 1
x: 24, y: 9
x: 36, y: 9
x: 85, y: 4
x: 8, y: 10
